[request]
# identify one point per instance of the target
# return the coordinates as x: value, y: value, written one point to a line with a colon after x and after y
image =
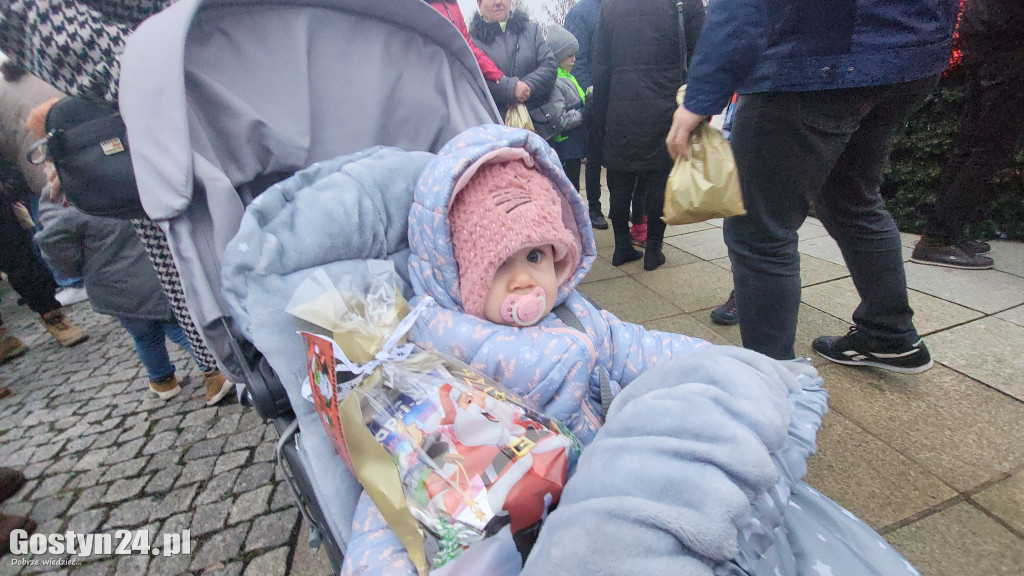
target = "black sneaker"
x: 726, y: 314
x: 597, y: 220
x: 950, y: 256
x: 852, y: 351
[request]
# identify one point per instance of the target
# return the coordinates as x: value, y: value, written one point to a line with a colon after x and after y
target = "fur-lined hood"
x: 486, y: 32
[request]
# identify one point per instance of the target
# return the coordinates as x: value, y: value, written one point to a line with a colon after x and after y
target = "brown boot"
x: 11, y: 481
x: 9, y: 524
x: 61, y: 328
x: 166, y: 388
x: 10, y: 347
x: 217, y: 386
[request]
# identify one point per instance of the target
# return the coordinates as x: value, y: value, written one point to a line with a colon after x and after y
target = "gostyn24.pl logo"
x: 121, y: 542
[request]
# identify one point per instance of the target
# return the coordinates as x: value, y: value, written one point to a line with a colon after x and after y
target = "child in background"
x: 569, y: 99
x: 121, y: 282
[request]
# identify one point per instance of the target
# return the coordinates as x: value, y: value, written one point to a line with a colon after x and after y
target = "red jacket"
x: 451, y: 10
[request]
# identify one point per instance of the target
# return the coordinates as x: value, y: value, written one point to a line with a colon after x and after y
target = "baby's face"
x: 526, y: 270
x: 568, y: 63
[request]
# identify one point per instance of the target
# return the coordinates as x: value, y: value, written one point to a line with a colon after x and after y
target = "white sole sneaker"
x: 167, y: 394
x: 224, y: 390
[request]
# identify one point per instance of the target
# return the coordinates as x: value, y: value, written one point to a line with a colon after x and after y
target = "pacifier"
x: 524, y: 309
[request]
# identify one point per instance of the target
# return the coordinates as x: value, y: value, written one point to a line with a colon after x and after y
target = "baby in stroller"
x: 499, y: 239
x: 697, y: 465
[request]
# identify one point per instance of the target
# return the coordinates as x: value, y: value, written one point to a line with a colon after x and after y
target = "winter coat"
x: 80, y: 56
x: 778, y: 46
x: 581, y: 22
x: 570, y: 140
x: 106, y: 253
x: 450, y: 10
x: 636, y: 72
x: 557, y: 367
x: 521, y: 53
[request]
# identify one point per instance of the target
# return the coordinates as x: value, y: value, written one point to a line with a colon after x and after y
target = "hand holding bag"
x: 706, y: 184
x: 86, y: 142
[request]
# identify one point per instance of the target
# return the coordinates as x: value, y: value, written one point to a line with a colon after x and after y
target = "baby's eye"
x: 535, y: 256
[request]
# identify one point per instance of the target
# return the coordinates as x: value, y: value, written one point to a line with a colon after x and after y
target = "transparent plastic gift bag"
x: 706, y: 184
x: 447, y: 455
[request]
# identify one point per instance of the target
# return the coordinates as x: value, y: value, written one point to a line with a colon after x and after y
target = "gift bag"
x: 446, y: 454
x: 519, y: 117
x: 706, y: 184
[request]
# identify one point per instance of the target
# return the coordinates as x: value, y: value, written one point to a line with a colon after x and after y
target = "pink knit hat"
x: 504, y: 208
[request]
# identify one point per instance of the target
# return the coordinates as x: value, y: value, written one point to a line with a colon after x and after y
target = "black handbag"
x: 544, y: 121
x: 86, y: 142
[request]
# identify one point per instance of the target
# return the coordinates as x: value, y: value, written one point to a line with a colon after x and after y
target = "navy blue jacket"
x: 802, y: 45
x: 581, y: 22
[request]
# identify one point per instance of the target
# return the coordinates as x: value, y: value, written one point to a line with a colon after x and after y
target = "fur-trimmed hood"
x: 486, y: 32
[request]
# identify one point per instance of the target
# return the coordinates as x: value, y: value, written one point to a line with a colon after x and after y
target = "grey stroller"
x: 223, y: 98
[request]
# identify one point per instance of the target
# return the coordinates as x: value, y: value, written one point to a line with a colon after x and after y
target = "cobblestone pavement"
x: 103, y: 453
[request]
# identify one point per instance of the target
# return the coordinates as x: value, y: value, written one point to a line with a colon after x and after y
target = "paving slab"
x: 839, y: 298
x: 602, y: 269
x: 812, y: 270
x: 688, y: 325
x: 1008, y: 256
x: 868, y: 478
x: 989, y: 291
x: 690, y: 287
x: 1005, y: 500
x: 960, y: 541
x: 956, y: 428
x: 630, y: 300
x: 989, y: 349
x: 1014, y: 315
x: 706, y: 244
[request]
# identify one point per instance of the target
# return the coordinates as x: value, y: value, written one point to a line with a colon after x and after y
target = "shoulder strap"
x: 682, y: 42
x: 566, y: 315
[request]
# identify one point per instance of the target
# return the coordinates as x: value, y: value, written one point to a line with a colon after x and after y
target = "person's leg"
x: 572, y: 172
x: 174, y: 332
x: 620, y: 189
x: 853, y: 211
x: 150, y: 347
x: 26, y: 273
x: 784, y: 154
x: 216, y: 384
x: 653, y: 186
x: 985, y: 142
x: 592, y: 173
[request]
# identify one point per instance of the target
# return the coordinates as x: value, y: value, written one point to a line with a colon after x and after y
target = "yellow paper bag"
x: 706, y: 184
x: 519, y: 117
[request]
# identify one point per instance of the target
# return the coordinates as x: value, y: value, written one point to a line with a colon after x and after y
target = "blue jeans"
x: 152, y: 349
x: 827, y: 149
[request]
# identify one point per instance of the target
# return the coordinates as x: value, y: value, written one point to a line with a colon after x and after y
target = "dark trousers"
x: 991, y: 126
x: 592, y: 173
x: 572, y: 172
x: 27, y: 275
x: 827, y: 148
x: 622, y: 186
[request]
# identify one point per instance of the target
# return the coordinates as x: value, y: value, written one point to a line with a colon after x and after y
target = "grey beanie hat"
x: 562, y: 42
